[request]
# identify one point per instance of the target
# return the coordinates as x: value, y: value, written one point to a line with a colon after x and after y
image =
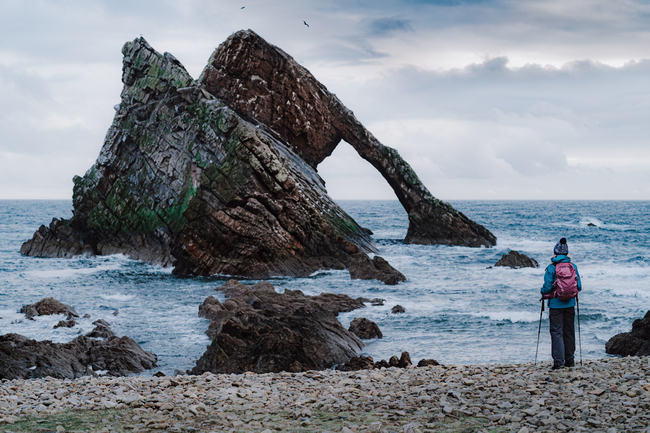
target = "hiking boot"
x: 570, y: 364
x: 557, y: 367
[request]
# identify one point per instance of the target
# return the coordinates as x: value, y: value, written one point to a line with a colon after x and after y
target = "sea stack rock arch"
x: 191, y: 178
x: 260, y: 80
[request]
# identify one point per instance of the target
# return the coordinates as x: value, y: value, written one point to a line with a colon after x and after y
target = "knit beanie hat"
x: 561, y: 248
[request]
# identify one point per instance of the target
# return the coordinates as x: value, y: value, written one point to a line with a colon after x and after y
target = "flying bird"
x: 242, y: 7
x: 305, y: 22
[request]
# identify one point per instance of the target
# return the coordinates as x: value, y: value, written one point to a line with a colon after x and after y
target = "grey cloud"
x: 389, y: 26
x: 343, y: 54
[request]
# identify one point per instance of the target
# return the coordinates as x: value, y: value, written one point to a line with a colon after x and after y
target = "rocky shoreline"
x: 605, y: 395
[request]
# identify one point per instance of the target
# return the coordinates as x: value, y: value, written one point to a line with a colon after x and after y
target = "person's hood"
x: 560, y: 259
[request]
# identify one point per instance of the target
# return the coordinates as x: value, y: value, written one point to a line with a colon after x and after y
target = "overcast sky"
x: 485, y: 99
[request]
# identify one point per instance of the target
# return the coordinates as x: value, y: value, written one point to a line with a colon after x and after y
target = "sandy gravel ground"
x: 607, y: 395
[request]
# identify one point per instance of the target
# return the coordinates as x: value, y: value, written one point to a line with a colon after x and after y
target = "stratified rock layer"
x: 634, y: 343
x: 260, y: 80
x: 259, y: 330
x: 23, y: 358
x: 217, y: 176
x: 182, y: 179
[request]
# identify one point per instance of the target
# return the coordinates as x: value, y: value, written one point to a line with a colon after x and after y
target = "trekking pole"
x: 539, y: 330
x: 579, y: 338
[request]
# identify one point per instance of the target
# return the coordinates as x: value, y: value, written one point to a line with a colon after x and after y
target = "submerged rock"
x: 516, y: 260
x: 23, y: 358
x: 364, y: 328
x: 634, y: 343
x: 259, y: 330
x: 46, y: 307
x: 65, y: 324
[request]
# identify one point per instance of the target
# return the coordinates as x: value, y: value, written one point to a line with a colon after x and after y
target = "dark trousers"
x: 563, y: 335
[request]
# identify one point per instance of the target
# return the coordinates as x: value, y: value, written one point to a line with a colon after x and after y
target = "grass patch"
x: 130, y: 420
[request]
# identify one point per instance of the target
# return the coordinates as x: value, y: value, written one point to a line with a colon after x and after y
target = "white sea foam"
x: 72, y: 272
x: 585, y: 221
x: 510, y: 316
x: 116, y: 297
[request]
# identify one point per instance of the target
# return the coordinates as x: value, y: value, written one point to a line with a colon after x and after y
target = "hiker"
x: 561, y: 286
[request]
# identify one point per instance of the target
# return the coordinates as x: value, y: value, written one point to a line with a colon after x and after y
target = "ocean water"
x: 457, y: 310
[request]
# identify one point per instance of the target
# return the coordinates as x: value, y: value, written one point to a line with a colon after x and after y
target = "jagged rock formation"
x: 257, y: 329
x: 183, y: 179
x: 191, y: 177
x: 516, y: 260
x: 633, y: 343
x: 260, y: 80
x: 362, y: 362
x: 23, y: 358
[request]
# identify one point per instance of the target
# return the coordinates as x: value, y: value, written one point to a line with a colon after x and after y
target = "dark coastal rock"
x: 376, y: 302
x: 398, y: 309
x: 192, y: 175
x: 260, y: 80
x: 356, y: 363
x: 259, y: 330
x: 23, y: 358
x: 362, y: 362
x: 516, y: 260
x: 427, y: 362
x: 65, y: 324
x: 101, y: 330
x: 48, y: 306
x: 591, y: 225
x: 634, y: 343
x: 362, y: 268
x: 364, y: 328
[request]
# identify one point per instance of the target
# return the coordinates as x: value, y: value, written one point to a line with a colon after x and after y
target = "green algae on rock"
x: 260, y: 80
x: 184, y: 180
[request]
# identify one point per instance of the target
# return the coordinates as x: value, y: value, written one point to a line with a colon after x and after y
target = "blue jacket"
x: 549, y: 279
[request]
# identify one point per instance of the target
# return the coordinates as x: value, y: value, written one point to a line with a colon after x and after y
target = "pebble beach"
x: 601, y: 395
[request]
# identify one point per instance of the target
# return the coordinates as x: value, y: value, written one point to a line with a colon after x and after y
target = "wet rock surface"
x: 363, y: 268
x: 398, y: 309
x: 598, y: 396
x: 633, y: 343
x: 189, y: 177
x: 362, y: 362
x: 23, y: 358
x: 260, y: 80
x: 46, y: 307
x: 259, y: 330
x: 102, y: 329
x: 364, y: 328
x: 516, y: 260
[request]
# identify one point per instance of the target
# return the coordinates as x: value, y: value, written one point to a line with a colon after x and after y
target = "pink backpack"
x: 566, y: 282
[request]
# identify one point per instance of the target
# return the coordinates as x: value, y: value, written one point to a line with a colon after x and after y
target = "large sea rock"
x: 218, y: 175
x: 23, y: 358
x: 633, y: 343
x: 259, y: 330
